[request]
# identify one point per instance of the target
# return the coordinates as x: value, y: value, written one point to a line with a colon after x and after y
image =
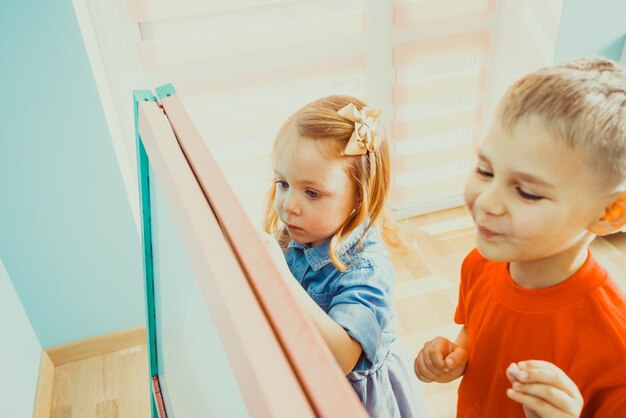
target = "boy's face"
x: 314, y: 196
x: 531, y: 196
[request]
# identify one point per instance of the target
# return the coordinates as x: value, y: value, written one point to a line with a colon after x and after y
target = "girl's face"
x: 314, y: 196
x: 531, y: 197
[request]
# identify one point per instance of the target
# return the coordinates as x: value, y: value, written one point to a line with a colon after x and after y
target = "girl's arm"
x: 345, y: 349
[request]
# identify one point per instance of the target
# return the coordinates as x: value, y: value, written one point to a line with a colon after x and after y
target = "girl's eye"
x: 281, y: 183
x: 483, y: 173
x: 528, y: 196
x: 312, y: 194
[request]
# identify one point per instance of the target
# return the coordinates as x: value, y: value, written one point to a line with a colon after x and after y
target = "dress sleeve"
x: 363, y: 306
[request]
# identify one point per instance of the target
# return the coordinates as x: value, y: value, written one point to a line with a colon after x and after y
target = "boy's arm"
x: 441, y: 360
x: 461, y: 339
x: 544, y: 390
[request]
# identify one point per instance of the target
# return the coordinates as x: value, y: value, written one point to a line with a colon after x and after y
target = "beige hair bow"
x: 365, y: 136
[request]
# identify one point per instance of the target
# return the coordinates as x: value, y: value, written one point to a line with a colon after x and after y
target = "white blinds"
x: 439, y: 95
x: 241, y: 67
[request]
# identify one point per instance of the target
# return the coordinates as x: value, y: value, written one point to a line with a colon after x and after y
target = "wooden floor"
x: 115, y: 385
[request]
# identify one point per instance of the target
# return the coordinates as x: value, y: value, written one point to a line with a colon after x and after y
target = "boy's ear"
x: 614, y: 218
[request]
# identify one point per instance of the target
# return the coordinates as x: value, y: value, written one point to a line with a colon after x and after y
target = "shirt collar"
x: 319, y: 256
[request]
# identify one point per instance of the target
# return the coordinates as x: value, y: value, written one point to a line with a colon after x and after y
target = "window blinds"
x: 241, y: 67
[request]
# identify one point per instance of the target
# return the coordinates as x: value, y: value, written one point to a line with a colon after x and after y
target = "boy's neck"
x: 550, y: 271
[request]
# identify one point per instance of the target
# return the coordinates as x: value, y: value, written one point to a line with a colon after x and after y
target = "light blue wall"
x: 19, y: 353
x: 591, y: 27
x: 67, y: 234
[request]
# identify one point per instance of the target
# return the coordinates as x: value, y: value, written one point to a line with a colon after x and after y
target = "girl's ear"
x: 614, y: 217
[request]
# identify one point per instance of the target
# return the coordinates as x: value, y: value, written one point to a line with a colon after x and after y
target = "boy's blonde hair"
x: 370, y: 172
x: 583, y: 103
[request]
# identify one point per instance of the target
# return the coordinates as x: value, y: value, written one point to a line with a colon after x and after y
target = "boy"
x: 544, y: 327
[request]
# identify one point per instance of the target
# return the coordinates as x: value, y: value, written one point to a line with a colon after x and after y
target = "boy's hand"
x: 441, y: 361
x: 544, y: 390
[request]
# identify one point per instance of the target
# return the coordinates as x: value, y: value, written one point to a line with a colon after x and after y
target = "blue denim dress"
x: 361, y: 301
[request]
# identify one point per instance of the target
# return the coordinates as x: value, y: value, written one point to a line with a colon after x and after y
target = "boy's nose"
x: 490, y: 202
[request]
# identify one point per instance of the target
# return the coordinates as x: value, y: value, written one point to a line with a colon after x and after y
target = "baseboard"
x: 43, y: 397
x: 96, y: 346
x: 78, y: 350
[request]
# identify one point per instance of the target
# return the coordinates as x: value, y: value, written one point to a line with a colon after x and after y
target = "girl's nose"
x: 291, y: 205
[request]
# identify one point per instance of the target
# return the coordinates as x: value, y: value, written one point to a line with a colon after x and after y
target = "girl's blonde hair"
x: 370, y: 172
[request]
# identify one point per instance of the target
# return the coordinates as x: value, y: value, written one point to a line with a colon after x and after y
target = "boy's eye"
x: 528, y: 196
x: 281, y: 183
x: 483, y: 173
x: 312, y: 194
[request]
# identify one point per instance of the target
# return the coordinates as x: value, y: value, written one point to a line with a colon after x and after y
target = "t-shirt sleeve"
x: 363, y: 306
x: 460, y: 316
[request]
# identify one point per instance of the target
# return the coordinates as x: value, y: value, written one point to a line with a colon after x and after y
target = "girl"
x: 331, y: 167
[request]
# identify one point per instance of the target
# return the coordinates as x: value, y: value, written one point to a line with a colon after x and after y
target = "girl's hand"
x: 441, y: 361
x: 276, y: 254
x: 544, y: 390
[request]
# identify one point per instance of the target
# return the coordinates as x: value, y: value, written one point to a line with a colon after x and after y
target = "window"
x: 241, y: 67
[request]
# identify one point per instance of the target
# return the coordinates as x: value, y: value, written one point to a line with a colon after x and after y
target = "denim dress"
x: 360, y: 300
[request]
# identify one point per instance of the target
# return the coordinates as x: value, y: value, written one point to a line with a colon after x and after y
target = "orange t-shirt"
x: 579, y: 325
